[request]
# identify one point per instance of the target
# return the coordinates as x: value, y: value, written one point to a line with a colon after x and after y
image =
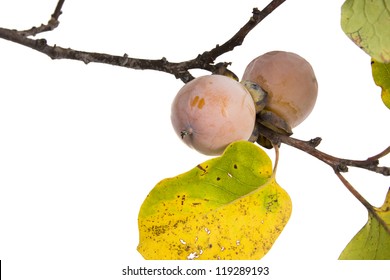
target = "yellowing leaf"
x: 381, y: 74
x: 229, y: 207
x: 372, y: 242
x: 367, y: 23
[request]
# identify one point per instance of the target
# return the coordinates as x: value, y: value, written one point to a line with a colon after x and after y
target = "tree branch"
x: 337, y: 164
x: 179, y: 69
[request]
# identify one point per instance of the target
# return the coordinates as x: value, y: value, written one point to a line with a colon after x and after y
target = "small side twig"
x: 50, y: 25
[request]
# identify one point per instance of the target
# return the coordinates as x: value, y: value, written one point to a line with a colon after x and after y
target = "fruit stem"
x: 276, y: 148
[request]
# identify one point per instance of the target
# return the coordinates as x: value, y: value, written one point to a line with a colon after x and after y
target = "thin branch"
x: 338, y: 164
x: 179, y: 69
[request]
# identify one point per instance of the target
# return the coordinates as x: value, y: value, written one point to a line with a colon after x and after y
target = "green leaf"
x: 372, y: 242
x: 366, y: 22
x: 229, y: 207
x: 381, y: 74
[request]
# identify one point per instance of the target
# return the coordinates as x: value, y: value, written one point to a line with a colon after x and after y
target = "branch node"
x: 53, y: 23
x: 256, y: 13
x: 164, y: 60
x: 315, y: 142
x: 40, y: 44
x: 341, y: 167
x: 205, y: 59
x: 82, y: 57
x: 124, y: 60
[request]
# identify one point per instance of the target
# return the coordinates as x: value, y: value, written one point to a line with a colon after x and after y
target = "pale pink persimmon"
x: 210, y: 112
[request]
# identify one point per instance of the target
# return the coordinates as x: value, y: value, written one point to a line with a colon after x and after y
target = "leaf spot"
x: 201, y: 168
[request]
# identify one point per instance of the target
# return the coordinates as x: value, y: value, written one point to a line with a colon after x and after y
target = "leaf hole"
x: 192, y: 256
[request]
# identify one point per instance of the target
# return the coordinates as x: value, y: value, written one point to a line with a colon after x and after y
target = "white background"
x: 82, y: 145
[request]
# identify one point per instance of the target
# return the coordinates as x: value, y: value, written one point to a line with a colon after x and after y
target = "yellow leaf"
x: 228, y: 207
x: 372, y: 242
x: 381, y: 75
